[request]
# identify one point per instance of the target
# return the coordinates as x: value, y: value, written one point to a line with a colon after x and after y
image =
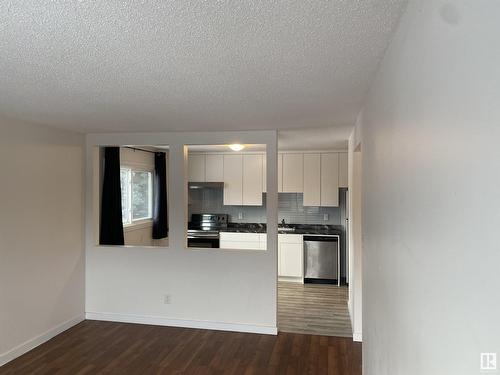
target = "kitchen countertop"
x: 326, y: 230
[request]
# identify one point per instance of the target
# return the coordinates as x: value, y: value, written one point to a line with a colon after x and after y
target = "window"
x: 137, y: 195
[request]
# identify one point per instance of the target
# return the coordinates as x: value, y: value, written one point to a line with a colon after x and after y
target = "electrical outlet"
x: 325, y: 217
x: 167, y: 299
x: 240, y: 215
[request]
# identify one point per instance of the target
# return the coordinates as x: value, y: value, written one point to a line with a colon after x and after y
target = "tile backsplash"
x: 290, y: 208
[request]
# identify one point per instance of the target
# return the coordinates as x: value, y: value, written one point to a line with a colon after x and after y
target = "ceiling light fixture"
x: 236, y: 147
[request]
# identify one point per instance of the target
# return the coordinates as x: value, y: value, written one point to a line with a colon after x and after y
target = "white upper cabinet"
x: 280, y: 173
x: 264, y: 173
x: 196, y: 168
x: 318, y: 175
x: 233, y: 180
x: 330, y: 179
x: 343, y: 180
x: 214, y: 168
x: 312, y: 179
x: 293, y: 173
x: 252, y: 180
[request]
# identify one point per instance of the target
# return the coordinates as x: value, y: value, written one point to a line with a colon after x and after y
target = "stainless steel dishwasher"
x: 322, y: 259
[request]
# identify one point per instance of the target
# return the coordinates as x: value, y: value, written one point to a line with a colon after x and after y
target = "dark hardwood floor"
x: 94, y: 347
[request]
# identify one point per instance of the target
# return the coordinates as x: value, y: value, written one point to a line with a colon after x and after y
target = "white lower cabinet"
x: 291, y: 259
x: 263, y: 241
x: 290, y: 256
x: 243, y: 241
x: 240, y: 245
x: 290, y: 250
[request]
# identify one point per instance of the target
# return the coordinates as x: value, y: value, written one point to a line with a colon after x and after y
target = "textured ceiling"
x: 189, y: 64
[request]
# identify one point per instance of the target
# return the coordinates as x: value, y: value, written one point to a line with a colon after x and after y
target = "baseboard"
x: 357, y: 336
x: 200, y: 324
x: 288, y: 279
x: 38, y: 340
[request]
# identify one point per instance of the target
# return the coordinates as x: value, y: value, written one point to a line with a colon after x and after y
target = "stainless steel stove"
x: 203, y: 229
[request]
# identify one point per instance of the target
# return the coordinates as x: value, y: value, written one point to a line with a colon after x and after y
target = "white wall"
x: 210, y: 288
x: 431, y: 162
x: 41, y: 235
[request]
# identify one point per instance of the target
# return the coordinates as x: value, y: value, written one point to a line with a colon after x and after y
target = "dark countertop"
x: 326, y: 230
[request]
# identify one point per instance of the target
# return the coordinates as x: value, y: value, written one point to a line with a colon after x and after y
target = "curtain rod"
x: 140, y: 149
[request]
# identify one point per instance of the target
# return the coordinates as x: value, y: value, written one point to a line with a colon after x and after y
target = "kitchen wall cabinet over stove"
x: 243, y: 179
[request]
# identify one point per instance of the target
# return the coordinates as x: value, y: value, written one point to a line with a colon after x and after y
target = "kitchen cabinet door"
x: 279, y: 260
x: 330, y: 179
x: 239, y: 245
x: 239, y: 236
x: 312, y: 179
x: 293, y: 173
x: 252, y: 180
x: 280, y: 173
x: 264, y: 173
x: 240, y: 241
x: 263, y: 241
x: 291, y: 259
x: 233, y: 180
x: 290, y: 238
x: 214, y: 168
x: 196, y: 168
x: 343, y: 180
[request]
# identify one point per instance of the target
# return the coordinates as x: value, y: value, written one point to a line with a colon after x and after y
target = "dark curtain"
x: 111, y: 206
x: 160, y: 218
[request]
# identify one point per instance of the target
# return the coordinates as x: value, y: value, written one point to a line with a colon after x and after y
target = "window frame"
x: 137, y: 168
